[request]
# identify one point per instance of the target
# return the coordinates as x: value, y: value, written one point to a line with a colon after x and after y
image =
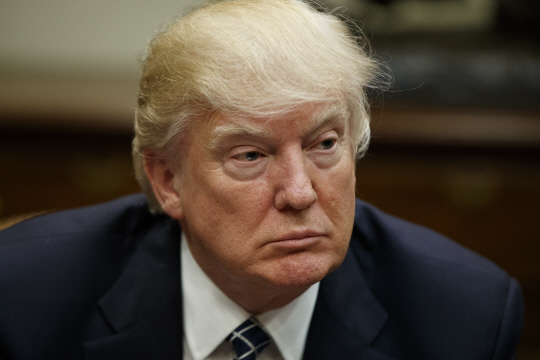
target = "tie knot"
x: 248, y: 339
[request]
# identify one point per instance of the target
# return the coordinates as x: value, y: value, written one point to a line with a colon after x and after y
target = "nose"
x: 295, y: 189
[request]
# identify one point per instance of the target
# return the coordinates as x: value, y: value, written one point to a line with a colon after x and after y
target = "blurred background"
x: 456, y: 139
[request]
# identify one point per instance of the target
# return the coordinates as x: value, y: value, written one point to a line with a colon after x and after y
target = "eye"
x: 248, y: 156
x: 326, y: 149
x: 326, y: 144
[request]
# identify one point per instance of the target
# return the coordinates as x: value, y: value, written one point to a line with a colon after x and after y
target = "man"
x: 251, y: 116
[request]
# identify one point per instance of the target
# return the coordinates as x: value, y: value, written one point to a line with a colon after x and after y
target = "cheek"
x: 337, y: 197
x: 338, y: 185
x: 243, y: 201
x: 232, y: 207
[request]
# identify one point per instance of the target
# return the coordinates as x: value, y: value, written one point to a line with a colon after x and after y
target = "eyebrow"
x: 231, y: 130
x: 327, y: 115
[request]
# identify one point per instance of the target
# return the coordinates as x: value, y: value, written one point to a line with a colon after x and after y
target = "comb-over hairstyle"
x: 248, y: 58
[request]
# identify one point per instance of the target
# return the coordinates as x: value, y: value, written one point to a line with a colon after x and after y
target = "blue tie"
x: 248, y: 340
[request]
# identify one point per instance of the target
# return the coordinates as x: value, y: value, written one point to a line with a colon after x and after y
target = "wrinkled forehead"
x: 309, y: 116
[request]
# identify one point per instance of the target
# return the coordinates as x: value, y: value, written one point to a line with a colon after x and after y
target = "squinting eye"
x: 248, y: 156
x: 327, y: 144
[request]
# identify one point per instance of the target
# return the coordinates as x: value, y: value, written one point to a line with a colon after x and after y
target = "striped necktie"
x: 248, y: 340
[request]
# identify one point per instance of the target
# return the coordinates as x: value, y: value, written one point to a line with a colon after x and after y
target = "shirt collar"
x: 289, y: 325
x: 204, y: 330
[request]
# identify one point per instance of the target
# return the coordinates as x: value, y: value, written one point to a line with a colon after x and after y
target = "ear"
x: 162, y: 176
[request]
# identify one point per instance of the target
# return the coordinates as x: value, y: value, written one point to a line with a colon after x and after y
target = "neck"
x: 256, y: 296
x: 258, y: 300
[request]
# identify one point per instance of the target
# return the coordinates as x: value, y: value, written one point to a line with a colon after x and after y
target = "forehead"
x: 308, y: 118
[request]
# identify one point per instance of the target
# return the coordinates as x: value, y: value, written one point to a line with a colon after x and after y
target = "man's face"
x: 269, y: 202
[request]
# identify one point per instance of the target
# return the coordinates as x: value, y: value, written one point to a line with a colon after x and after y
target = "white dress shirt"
x: 210, y: 316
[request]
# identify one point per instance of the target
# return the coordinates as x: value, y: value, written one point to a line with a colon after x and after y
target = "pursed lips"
x: 293, y: 235
x: 296, y: 238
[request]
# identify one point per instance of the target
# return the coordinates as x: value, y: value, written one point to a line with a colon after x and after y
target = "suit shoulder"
x: 106, y: 216
x: 376, y: 231
x: 56, y: 267
x: 431, y: 285
x: 87, y: 240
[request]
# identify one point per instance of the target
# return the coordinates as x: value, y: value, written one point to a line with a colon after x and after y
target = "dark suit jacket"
x: 103, y: 283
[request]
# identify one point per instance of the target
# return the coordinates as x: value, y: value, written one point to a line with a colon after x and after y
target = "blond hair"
x: 257, y: 58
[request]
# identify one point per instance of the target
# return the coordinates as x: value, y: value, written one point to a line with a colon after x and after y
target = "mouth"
x: 299, y: 235
x: 296, y: 240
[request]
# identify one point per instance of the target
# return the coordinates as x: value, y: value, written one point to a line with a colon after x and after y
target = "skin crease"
x: 267, y: 212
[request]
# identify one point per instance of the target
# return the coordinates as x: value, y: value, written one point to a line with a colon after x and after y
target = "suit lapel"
x: 347, y: 317
x: 143, y: 309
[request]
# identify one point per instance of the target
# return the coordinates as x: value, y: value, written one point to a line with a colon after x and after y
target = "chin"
x: 303, y: 269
